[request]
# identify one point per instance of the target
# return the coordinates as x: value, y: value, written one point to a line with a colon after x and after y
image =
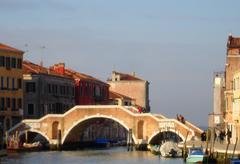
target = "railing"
x: 186, y: 128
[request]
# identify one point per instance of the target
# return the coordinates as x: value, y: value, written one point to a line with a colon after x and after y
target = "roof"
x: 9, y: 49
x: 77, y: 75
x: 114, y: 95
x: 32, y: 68
x: 124, y: 76
x: 233, y: 42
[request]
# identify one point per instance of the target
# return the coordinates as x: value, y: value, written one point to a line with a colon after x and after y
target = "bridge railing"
x: 197, y: 129
x: 185, y: 128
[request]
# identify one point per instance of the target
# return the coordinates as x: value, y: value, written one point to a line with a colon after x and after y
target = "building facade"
x: 88, y: 90
x: 11, y: 93
x: 119, y: 99
x: 131, y: 86
x: 236, y: 107
x: 216, y: 118
x: 231, y: 67
x: 45, y: 91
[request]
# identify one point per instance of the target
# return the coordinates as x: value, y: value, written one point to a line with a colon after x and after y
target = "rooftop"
x: 32, y: 68
x: 128, y: 77
x: 77, y: 75
x: 233, y: 42
x: 9, y: 49
x: 114, y: 95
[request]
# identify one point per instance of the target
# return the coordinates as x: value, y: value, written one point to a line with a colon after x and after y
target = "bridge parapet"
x: 174, y: 126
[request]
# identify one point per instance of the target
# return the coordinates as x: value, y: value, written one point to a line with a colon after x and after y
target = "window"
x: 8, y: 62
x: 97, y: 91
x: 13, y: 104
x: 7, y: 83
x: 2, y: 61
x: 67, y: 90
x: 30, y: 109
x: 49, y: 88
x: 13, y: 83
x: 19, y: 103
x: 2, y: 83
x: 72, y: 91
x: 56, y: 89
x: 19, y: 81
x: 8, y: 103
x: 2, y: 104
x: 81, y: 89
x: 13, y: 62
x: 19, y: 63
x: 30, y: 87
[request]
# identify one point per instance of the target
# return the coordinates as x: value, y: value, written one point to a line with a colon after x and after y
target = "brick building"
x: 88, y: 90
x: 46, y: 91
x: 131, y: 86
x: 11, y: 93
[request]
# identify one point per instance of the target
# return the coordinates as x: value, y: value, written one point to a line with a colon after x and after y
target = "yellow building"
x: 11, y: 93
x: 234, y: 125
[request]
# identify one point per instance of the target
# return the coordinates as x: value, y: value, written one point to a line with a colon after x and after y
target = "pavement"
x: 218, y: 147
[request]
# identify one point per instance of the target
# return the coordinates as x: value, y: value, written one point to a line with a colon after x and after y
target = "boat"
x: 170, y: 149
x: 103, y: 142
x: 195, y: 155
x: 32, y: 146
x: 36, y: 146
x: 154, y: 149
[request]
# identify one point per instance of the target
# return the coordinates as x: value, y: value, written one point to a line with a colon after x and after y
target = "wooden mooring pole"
x: 185, y: 148
x: 225, y: 156
x: 235, y: 145
x: 129, y: 141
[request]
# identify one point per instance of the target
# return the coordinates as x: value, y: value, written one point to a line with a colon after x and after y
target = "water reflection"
x: 117, y: 155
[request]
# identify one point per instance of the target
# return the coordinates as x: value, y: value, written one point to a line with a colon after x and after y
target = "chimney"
x: 59, y: 68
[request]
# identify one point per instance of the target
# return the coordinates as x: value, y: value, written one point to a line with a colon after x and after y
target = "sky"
x: 175, y: 45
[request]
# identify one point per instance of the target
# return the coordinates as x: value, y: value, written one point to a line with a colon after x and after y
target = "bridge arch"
x: 34, y: 131
x: 93, y: 117
x: 178, y: 133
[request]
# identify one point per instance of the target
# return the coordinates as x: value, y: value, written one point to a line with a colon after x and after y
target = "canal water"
x: 116, y: 155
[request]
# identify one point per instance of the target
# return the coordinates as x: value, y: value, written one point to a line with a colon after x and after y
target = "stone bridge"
x: 145, y: 126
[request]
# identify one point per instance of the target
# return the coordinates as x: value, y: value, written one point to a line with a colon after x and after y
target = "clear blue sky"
x: 174, y: 44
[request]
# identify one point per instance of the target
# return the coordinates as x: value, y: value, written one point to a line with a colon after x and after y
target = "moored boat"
x: 170, y: 150
x: 195, y: 155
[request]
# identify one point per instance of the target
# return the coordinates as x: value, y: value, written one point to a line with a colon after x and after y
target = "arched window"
x: 140, y: 129
x: 55, y: 129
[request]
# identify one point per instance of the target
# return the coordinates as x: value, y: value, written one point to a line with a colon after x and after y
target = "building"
x: 131, y: 86
x: 11, y: 93
x: 236, y: 107
x: 88, y: 90
x: 231, y: 67
x: 46, y: 91
x: 119, y: 99
x: 216, y: 118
